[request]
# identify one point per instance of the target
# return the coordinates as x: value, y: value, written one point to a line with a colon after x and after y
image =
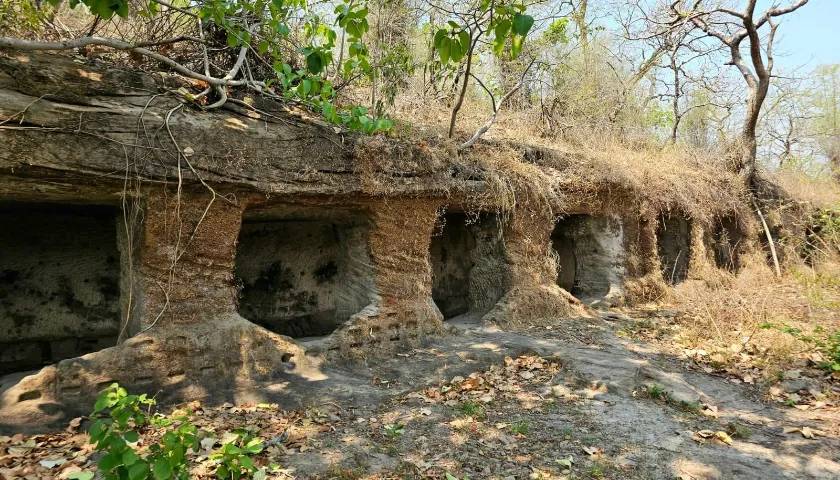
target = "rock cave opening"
x: 303, y: 273
x: 59, y: 282
x: 469, y: 272
x: 726, y: 241
x: 673, y: 245
x: 590, y: 255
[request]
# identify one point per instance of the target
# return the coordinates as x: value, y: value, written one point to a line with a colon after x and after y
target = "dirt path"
x: 574, y: 401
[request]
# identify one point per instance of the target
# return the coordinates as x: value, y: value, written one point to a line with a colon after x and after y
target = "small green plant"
x: 520, y: 428
x: 234, y: 458
x: 690, y: 407
x: 472, y: 409
x: 394, y: 430
x: 118, y: 418
x: 737, y: 430
x: 656, y: 392
x: 828, y: 345
x: 596, y: 471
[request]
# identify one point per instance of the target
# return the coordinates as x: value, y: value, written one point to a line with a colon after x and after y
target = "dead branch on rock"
x: 496, y: 107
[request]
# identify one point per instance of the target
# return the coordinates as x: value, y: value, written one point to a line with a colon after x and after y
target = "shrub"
x: 234, y: 458
x: 118, y: 419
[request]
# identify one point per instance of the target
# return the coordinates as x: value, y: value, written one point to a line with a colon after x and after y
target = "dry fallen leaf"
x: 723, y: 437
x: 74, y: 424
x: 593, y: 450
x: 52, y: 462
x: 806, y: 432
x: 809, y: 432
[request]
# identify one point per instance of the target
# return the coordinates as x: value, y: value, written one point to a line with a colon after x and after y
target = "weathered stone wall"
x: 469, y: 268
x: 533, y: 296
x: 191, y: 342
x: 644, y: 280
x: 303, y: 277
x: 591, y: 260
x: 402, y: 309
x: 59, y: 282
x: 673, y: 242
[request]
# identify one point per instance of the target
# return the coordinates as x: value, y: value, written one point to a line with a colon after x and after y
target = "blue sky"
x: 810, y: 36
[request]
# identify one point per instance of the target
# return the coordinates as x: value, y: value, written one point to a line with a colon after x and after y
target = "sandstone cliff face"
x: 226, y: 233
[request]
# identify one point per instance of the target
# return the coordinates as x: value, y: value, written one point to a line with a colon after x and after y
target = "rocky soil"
x: 570, y: 401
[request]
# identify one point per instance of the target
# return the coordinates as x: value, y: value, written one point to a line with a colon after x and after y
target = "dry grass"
x: 822, y: 192
x: 600, y: 169
x: 728, y: 317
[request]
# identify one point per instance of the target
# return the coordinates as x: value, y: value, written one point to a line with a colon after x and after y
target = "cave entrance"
x: 726, y: 241
x: 673, y: 245
x: 59, y: 282
x: 469, y: 272
x: 303, y: 274
x: 590, y: 255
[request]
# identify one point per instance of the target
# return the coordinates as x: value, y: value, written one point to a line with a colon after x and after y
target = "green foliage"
x: 507, y: 23
x: 265, y: 26
x: 556, y: 32
x: 234, y: 458
x: 521, y: 427
x: 656, y: 392
x: 471, y: 409
x: 118, y: 419
x: 104, y: 8
x: 827, y: 344
x: 394, y: 430
x: 18, y: 17
x: 659, y: 116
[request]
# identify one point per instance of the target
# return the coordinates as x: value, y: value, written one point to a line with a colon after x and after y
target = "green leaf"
x: 254, y: 446
x: 222, y: 472
x: 516, y: 45
x: 314, y: 63
x: 129, y: 457
x: 102, y: 403
x: 121, y: 8
x: 502, y: 29
x: 440, y: 35
x: 465, y: 40
x: 131, y: 436
x: 522, y: 24
x: 138, y: 471
x: 162, y: 469
x: 110, y: 461
x: 444, y: 49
